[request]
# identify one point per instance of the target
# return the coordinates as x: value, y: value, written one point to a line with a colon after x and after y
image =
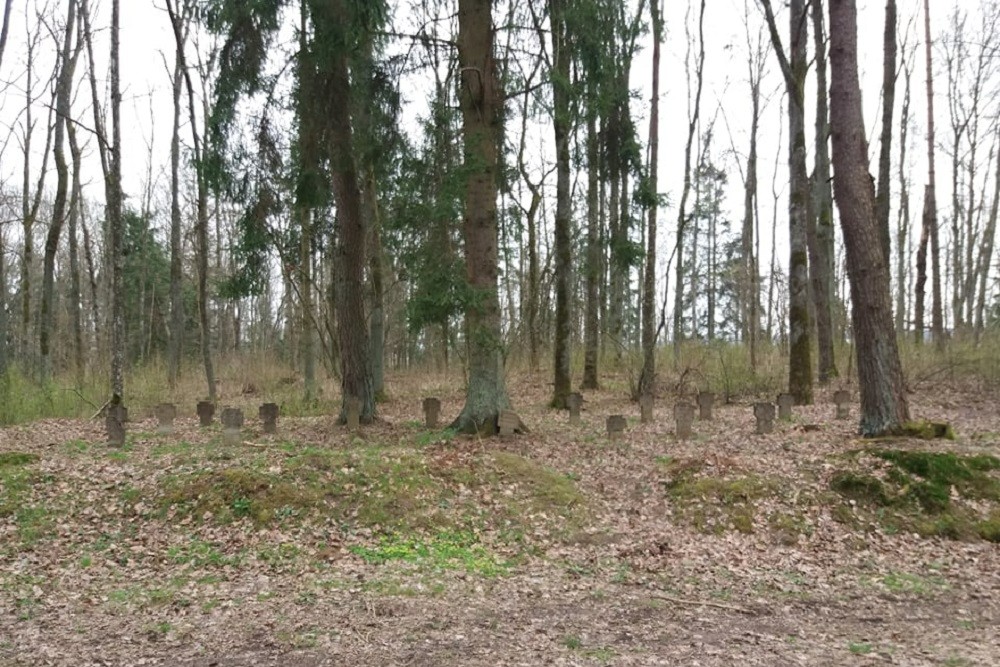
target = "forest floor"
x: 403, y: 546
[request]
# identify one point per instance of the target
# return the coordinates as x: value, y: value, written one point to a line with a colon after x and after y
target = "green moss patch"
x: 11, y: 459
x: 445, y: 550
x: 932, y: 493
x: 716, y: 504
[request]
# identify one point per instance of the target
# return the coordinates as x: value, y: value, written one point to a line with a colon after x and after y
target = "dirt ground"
x: 94, y: 570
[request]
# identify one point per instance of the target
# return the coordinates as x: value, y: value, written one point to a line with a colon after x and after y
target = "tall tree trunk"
x: 75, y: 204
x: 352, y: 323
x: 930, y: 223
x: 116, y: 225
x: 647, y: 379
x: 592, y: 325
x: 751, y: 275
x: 794, y: 69
x: 903, y: 219
x: 481, y: 102
x: 885, y: 139
x: 64, y: 91
x: 694, y: 113
x: 821, y: 226
x: 6, y: 28
x: 561, y: 123
x: 176, y: 269
x: 880, y: 375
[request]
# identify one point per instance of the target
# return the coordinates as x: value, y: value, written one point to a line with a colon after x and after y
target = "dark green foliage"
x: 861, y: 488
x: 16, y: 459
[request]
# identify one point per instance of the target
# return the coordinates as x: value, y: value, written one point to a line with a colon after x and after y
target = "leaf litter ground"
x: 404, y: 546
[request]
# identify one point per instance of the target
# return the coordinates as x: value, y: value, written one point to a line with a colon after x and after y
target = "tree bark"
x: 794, y: 69
x: 64, y: 91
x: 176, y: 269
x: 647, y: 379
x: 481, y: 102
x: 561, y: 123
x: 885, y: 139
x: 903, y: 219
x: 352, y: 322
x: 930, y: 223
x: 75, y: 291
x: 821, y: 224
x: 113, y: 185
x: 592, y: 323
x: 880, y: 376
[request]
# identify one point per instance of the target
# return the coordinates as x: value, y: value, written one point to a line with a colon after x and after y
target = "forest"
x: 493, y: 332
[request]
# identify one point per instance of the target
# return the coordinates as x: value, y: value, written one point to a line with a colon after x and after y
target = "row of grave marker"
x: 507, y: 423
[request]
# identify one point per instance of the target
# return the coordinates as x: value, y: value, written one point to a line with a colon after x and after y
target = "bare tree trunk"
x: 176, y: 344
x: 75, y: 205
x: 751, y: 274
x: 880, y: 375
x: 6, y: 27
x: 647, y: 379
x: 116, y: 225
x: 561, y: 123
x: 821, y: 226
x: 885, y: 140
x: 694, y: 113
x: 930, y: 222
x: 481, y: 103
x: 794, y: 69
x: 903, y: 219
x: 64, y: 91
x: 592, y: 325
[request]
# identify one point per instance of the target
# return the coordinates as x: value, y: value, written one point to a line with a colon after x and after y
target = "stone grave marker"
x: 206, y: 411
x: 268, y: 413
x: 646, y: 408
x: 574, y: 401
x: 684, y: 416
x: 507, y: 423
x: 842, y: 398
x: 352, y: 407
x: 764, y: 412
x: 432, y: 411
x: 165, y: 415
x: 114, y: 423
x: 616, y: 427
x: 232, y: 426
x: 706, y: 401
x: 785, y: 403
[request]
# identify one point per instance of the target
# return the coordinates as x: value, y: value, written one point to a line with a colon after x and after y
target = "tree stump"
x: 165, y: 415
x: 764, y: 412
x: 785, y: 403
x: 684, y: 416
x: 268, y: 413
x: 432, y: 411
x: 232, y: 426
x: 574, y: 401
x: 842, y: 398
x: 114, y: 424
x: 646, y: 408
x: 706, y: 401
x: 206, y: 410
x: 353, y: 412
x: 616, y: 427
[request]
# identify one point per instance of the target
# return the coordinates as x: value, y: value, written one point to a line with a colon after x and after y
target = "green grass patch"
x: 446, y: 550
x: 927, y: 492
x: 233, y: 493
x: 11, y: 459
